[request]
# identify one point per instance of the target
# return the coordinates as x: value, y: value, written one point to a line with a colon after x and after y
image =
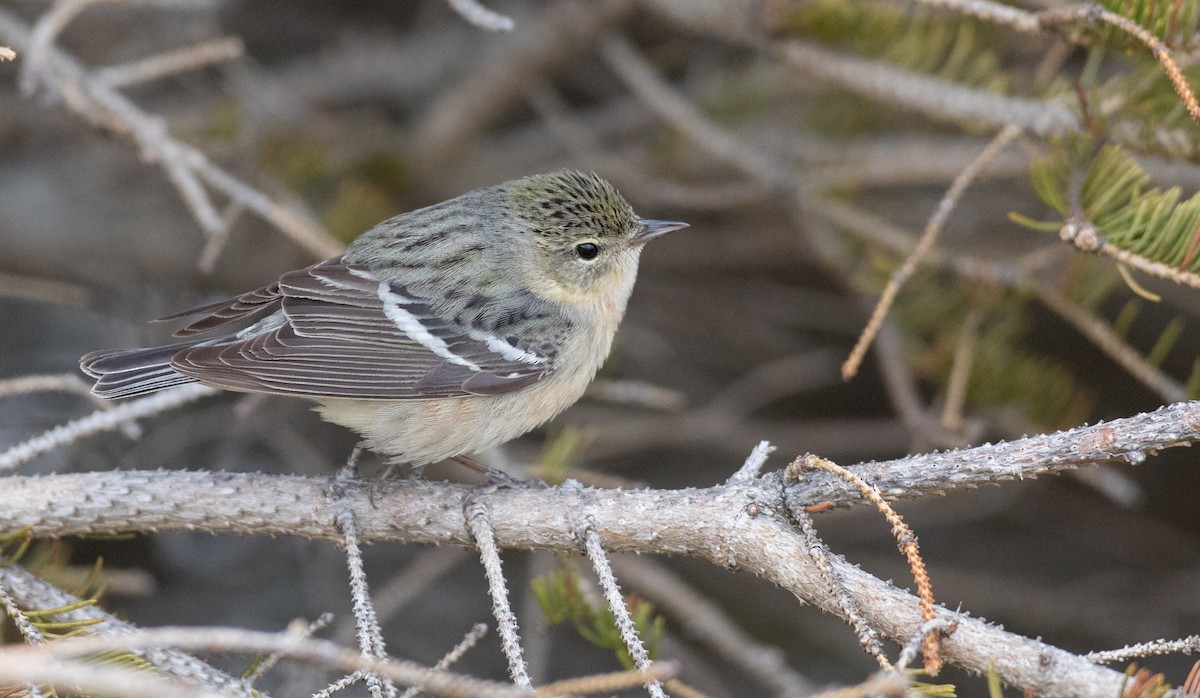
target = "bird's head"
x: 586, y: 236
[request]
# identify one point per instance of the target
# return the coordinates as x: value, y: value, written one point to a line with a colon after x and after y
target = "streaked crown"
x: 571, y: 202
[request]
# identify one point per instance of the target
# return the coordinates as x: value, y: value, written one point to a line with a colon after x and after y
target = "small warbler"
x: 439, y: 333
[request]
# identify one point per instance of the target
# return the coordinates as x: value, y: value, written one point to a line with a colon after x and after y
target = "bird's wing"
x: 228, y: 311
x: 342, y: 332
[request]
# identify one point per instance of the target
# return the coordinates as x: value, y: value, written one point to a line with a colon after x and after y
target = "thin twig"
x: 905, y: 538
x: 818, y: 553
x: 678, y: 110
x: 960, y: 371
x: 476, y: 513
x: 308, y: 650
x: 31, y: 634
x: 1102, y: 335
x: 168, y: 63
x: 1093, y: 13
x: 481, y: 16
x: 753, y: 465
x: 452, y: 124
x: 185, y: 166
x: 261, y: 668
x: 705, y: 622
x: 102, y: 420
x: 32, y: 594
x: 616, y: 606
x: 390, y: 598
x: 1186, y: 645
x: 43, y: 290
x: 63, y: 383
x: 370, y: 636
x: 933, y: 230
x: 341, y: 684
x: 610, y: 683
x: 41, y: 38
x: 472, y: 638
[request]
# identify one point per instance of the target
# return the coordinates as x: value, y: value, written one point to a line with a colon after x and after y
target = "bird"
x: 439, y: 333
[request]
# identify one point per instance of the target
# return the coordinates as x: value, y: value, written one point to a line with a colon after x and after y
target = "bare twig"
x: 933, y: 230
x: 608, y: 683
x: 27, y: 592
x: 960, y: 371
x: 451, y: 125
x: 44, y: 383
x: 1187, y: 645
x: 1101, y: 334
x: 481, y: 16
x: 472, y: 638
x: 309, y: 629
x: 753, y: 465
x: 102, y: 420
x: 187, y: 167
x: 43, y: 290
x: 309, y: 650
x: 341, y: 684
x: 616, y: 606
x: 479, y: 522
x: 370, y: 636
x: 681, y: 112
x: 902, y: 88
x: 171, y: 62
x: 42, y: 36
x: 905, y: 538
x: 31, y: 634
x: 430, y: 566
x: 819, y: 554
x: 704, y: 621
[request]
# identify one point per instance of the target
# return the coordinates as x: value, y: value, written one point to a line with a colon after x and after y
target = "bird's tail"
x: 128, y: 372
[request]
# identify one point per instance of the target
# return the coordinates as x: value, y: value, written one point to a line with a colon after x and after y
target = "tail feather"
x: 129, y: 372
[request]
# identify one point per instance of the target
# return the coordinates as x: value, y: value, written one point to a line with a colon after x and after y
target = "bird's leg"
x: 349, y: 471
x: 495, y: 476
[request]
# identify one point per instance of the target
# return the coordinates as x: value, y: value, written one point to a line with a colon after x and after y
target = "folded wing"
x: 338, y: 331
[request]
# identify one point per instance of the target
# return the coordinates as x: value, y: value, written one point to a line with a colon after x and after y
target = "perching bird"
x: 439, y: 333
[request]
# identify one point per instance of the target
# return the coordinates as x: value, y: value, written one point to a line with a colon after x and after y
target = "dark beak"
x: 648, y: 230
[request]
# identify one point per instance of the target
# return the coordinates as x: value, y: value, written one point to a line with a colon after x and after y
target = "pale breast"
x: 426, y: 431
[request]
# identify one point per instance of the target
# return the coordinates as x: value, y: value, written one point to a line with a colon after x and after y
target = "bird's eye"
x: 587, y: 251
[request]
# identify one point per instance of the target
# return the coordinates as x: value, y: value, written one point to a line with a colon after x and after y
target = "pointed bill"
x: 647, y: 230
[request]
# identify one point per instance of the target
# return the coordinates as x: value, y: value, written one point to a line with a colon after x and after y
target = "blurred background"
x: 350, y: 113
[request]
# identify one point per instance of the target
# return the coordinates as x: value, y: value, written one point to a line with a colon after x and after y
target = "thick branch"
x: 734, y: 526
x: 739, y: 526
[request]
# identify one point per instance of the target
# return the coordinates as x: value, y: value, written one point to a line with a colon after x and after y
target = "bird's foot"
x: 498, y: 478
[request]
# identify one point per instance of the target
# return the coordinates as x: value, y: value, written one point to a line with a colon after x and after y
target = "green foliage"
x: 1003, y: 373
x: 1193, y: 381
x: 1116, y: 198
x: 299, y: 162
x: 1146, y: 96
x: 351, y: 196
x: 560, y: 599
x: 356, y: 207
x: 1172, y: 21
x: 559, y: 453
x: 224, y: 121
x: 953, y: 48
x: 14, y: 545
x: 934, y: 690
x: 995, y: 689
